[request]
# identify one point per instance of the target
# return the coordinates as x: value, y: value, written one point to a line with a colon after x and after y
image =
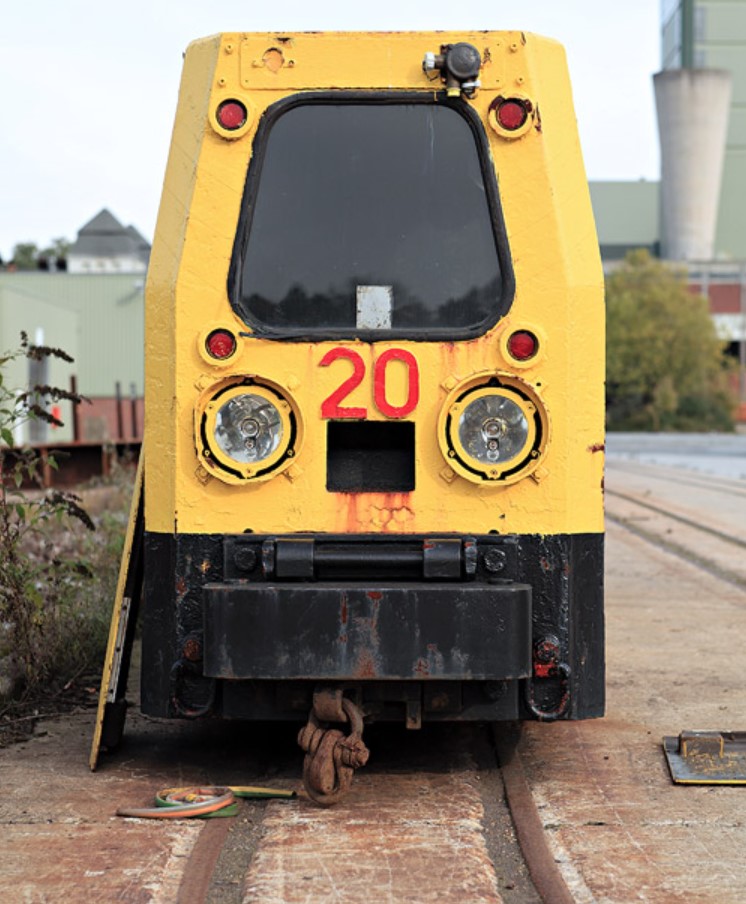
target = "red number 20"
x: 331, y: 408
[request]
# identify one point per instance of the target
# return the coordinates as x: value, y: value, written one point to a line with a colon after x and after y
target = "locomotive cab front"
x: 374, y: 385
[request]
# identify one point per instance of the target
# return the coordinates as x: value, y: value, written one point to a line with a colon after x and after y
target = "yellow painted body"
x: 558, y: 296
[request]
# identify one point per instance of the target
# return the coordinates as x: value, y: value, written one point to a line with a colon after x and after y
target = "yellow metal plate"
x: 126, y: 601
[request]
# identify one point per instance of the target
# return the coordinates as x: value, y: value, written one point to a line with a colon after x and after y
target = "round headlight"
x: 248, y: 428
x: 493, y: 428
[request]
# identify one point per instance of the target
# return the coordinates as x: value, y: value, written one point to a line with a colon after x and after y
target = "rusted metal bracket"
x: 547, y: 664
x: 331, y: 756
x: 707, y: 757
x: 179, y: 672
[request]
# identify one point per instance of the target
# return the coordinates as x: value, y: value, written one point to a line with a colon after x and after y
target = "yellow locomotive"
x: 373, y: 453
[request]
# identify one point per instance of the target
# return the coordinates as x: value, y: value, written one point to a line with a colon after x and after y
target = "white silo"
x: 693, y: 107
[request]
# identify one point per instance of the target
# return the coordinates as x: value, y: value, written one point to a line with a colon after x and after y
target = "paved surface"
x: 423, y: 823
x: 702, y: 517
x: 419, y: 825
x: 58, y: 841
x: 618, y: 826
x: 621, y: 830
x: 409, y: 838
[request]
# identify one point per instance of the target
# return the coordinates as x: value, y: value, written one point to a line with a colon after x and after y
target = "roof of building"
x: 105, y: 236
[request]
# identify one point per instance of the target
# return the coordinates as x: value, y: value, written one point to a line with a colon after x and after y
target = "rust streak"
x: 366, y: 665
x: 353, y: 516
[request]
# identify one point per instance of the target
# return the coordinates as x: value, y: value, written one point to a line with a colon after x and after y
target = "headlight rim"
x: 521, y: 465
x: 220, y: 464
x: 458, y: 408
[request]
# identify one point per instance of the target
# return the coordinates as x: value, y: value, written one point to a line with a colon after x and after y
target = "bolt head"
x: 547, y: 649
x: 244, y: 558
x: 494, y: 560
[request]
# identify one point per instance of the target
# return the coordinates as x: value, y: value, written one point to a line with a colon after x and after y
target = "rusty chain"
x: 331, y: 756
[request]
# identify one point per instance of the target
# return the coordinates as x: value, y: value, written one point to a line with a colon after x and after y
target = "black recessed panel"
x: 370, y: 457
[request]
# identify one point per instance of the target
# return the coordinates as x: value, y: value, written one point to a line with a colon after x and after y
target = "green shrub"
x: 665, y: 366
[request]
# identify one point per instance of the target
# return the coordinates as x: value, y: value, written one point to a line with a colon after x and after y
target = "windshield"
x: 368, y: 218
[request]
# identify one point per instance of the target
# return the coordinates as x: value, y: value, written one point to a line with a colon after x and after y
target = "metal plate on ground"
x: 707, y: 757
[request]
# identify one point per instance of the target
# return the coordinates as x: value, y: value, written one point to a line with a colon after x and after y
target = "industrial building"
x: 695, y: 215
x: 104, y: 245
x: 98, y: 321
x: 95, y: 313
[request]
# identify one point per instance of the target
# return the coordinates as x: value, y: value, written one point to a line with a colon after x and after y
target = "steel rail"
x: 532, y: 840
x: 667, y: 474
x: 201, y: 863
x: 682, y: 519
x: 682, y: 552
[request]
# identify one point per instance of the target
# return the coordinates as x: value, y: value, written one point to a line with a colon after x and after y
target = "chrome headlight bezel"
x: 529, y: 433
x: 281, y: 414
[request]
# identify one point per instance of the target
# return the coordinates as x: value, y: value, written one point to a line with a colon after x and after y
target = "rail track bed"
x: 427, y: 819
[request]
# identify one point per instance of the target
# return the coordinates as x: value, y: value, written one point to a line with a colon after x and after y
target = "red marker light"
x: 512, y: 113
x: 220, y: 344
x: 232, y: 115
x: 523, y: 345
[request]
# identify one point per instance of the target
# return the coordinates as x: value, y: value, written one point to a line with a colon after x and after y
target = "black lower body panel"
x: 328, y: 632
x: 455, y: 627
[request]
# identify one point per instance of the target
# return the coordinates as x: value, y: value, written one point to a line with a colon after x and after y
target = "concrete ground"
x: 620, y: 830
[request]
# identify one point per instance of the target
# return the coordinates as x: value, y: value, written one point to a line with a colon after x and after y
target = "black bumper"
x: 434, y: 631
x: 245, y: 626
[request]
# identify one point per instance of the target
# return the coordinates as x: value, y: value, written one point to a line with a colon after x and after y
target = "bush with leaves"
x: 40, y: 581
x: 665, y: 366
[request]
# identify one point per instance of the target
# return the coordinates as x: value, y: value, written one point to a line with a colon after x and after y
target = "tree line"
x: 29, y: 256
x: 666, y: 367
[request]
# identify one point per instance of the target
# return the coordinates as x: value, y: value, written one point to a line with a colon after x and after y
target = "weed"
x: 57, y: 568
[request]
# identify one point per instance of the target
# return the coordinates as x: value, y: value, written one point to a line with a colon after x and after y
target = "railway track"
x: 669, y: 475
x: 689, y: 522
x: 701, y: 519
x: 445, y: 814
x: 452, y: 812
x: 461, y: 819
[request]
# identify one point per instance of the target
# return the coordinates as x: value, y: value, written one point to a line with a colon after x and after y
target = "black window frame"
x: 251, y: 188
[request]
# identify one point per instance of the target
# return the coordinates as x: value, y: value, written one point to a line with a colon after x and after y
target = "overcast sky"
x: 88, y: 90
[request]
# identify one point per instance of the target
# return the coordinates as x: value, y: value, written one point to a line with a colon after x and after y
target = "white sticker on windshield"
x: 374, y: 307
